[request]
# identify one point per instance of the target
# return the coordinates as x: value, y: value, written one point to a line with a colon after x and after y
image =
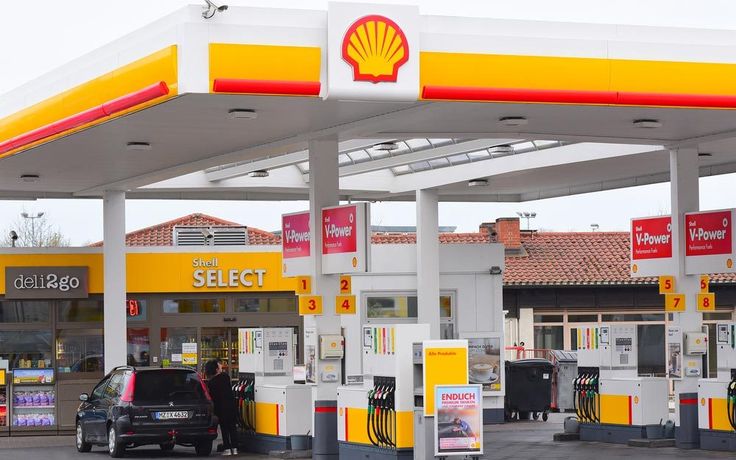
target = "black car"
x: 131, y: 407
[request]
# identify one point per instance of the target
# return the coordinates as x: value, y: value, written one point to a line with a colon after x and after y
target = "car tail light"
x: 206, y: 391
x: 129, y: 389
x: 212, y: 430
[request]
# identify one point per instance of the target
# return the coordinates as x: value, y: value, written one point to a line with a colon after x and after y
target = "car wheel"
x: 167, y: 446
x: 203, y: 448
x: 82, y: 445
x: 116, y: 448
x: 544, y: 416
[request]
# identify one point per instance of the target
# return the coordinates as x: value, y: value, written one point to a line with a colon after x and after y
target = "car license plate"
x: 171, y: 415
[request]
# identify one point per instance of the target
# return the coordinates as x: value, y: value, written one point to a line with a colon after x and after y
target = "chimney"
x: 508, y: 231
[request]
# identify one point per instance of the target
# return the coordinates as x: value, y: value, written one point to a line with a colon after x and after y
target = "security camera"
x: 211, y: 9
x: 207, y: 233
x: 13, y: 235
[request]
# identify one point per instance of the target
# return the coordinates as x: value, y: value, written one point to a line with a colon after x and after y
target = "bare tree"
x: 33, y: 233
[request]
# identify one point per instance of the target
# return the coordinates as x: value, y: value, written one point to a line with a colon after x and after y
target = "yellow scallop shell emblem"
x: 375, y: 47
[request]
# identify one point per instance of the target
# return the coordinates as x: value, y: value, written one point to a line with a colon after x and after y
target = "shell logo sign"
x: 375, y: 47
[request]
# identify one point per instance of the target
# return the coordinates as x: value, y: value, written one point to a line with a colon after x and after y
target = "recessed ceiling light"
x: 30, y: 177
x: 259, y: 173
x: 705, y: 154
x: 513, y: 121
x: 478, y: 183
x: 501, y: 150
x: 242, y: 114
x: 647, y: 124
x: 138, y: 146
x: 386, y: 146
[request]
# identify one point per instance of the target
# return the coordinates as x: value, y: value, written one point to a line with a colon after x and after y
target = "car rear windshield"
x: 168, y: 385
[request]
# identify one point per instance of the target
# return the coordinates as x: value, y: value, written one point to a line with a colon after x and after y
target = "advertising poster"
x: 674, y: 352
x: 484, y: 362
x: 310, y: 355
x: 458, y: 416
x: 710, y: 242
x: 345, y: 238
x: 189, y: 354
x: 33, y: 376
x: 445, y: 363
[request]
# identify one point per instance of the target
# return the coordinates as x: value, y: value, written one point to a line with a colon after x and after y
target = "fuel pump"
x: 613, y: 403
x: 717, y: 396
x: 271, y: 407
x: 375, y: 419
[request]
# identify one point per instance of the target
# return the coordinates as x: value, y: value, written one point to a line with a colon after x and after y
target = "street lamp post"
x: 528, y: 216
x: 33, y: 218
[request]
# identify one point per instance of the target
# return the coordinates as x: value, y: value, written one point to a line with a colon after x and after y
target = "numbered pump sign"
x: 458, y: 420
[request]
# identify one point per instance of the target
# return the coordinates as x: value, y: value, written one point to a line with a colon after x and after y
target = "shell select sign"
x: 375, y: 47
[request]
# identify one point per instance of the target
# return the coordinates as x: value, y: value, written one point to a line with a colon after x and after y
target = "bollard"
x: 324, y: 442
x: 687, y: 435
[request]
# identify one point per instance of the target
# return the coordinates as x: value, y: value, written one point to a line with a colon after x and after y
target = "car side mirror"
x: 84, y: 397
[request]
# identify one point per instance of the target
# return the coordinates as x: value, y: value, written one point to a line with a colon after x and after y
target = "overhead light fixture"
x: 242, y: 114
x: 501, y: 150
x: 211, y: 9
x: 386, y: 146
x: 30, y: 177
x: 495, y: 270
x: 647, y: 124
x: 138, y: 146
x: 259, y: 173
x: 513, y: 121
x: 705, y: 154
x: 478, y: 183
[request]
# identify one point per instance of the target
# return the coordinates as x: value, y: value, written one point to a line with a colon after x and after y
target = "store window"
x: 633, y: 317
x: 402, y: 306
x: 80, y: 351
x: 266, y: 305
x: 651, y: 349
x: 590, y: 318
x: 139, y: 346
x: 26, y: 349
x: 23, y: 311
x: 548, y: 318
x: 549, y: 337
x: 172, y: 339
x: 194, y: 305
x: 72, y: 311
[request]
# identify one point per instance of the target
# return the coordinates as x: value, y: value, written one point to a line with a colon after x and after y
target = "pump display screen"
x: 277, y: 348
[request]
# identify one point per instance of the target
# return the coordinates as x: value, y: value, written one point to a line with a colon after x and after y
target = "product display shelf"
x: 32, y: 404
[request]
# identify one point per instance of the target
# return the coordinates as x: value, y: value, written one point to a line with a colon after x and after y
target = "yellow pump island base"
x: 717, y: 397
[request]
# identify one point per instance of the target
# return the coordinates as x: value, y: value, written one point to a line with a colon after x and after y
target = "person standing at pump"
x: 218, y: 384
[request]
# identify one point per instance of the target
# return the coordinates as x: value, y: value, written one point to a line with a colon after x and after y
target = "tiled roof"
x: 445, y: 238
x: 163, y: 234
x: 572, y: 258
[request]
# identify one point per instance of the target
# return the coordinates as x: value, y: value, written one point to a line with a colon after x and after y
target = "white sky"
x: 38, y: 36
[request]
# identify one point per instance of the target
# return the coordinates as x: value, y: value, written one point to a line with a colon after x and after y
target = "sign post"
x: 458, y: 420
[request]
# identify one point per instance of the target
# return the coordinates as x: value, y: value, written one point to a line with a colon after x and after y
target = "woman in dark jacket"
x: 218, y: 384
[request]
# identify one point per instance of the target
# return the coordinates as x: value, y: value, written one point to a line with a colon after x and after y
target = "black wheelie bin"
x: 528, y: 388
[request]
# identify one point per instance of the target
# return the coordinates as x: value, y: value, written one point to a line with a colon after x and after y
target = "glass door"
x: 172, y: 340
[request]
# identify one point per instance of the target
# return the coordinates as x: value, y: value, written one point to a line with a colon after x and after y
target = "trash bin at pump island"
x: 528, y: 388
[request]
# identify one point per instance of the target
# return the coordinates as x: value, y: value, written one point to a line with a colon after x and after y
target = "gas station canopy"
x: 479, y: 109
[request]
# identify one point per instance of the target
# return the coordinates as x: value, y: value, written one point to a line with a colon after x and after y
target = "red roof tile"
x: 163, y: 234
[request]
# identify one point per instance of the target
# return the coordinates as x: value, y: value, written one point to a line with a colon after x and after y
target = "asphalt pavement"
x: 528, y: 440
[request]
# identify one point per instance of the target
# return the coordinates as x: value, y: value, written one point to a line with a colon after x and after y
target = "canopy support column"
x: 684, y: 191
x: 428, y: 261
x: 323, y: 192
x: 114, y: 279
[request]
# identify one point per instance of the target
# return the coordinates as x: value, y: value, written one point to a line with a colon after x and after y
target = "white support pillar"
x: 324, y: 191
x: 684, y: 189
x: 114, y: 281
x: 428, y: 261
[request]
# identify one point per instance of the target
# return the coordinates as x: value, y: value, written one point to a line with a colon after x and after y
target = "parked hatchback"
x: 132, y: 407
